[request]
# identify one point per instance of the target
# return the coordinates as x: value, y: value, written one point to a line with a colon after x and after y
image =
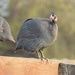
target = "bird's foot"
x: 44, y: 59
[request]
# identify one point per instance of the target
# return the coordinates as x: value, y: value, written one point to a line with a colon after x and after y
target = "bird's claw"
x: 44, y: 59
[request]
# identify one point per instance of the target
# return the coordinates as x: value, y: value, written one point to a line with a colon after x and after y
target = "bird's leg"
x: 38, y: 56
x: 42, y: 56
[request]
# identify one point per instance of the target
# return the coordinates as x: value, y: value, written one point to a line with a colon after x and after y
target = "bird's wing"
x: 33, y: 28
x: 28, y: 30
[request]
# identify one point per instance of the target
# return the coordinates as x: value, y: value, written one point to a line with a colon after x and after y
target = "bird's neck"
x: 52, y: 22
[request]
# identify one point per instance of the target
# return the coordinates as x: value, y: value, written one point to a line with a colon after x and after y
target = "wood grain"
x: 27, y: 66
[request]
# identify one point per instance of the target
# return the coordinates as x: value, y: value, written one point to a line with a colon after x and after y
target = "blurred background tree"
x: 17, y: 11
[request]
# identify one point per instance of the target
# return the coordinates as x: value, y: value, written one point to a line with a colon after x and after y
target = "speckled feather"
x: 5, y: 31
x: 36, y: 33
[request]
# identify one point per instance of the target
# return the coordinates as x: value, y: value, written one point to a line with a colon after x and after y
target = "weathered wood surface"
x: 27, y: 66
x: 66, y: 69
x: 32, y: 66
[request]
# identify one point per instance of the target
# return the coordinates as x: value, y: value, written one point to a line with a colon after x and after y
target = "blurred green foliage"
x: 64, y: 46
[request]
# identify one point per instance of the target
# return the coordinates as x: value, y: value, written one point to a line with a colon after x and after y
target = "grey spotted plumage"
x: 5, y: 32
x: 36, y: 34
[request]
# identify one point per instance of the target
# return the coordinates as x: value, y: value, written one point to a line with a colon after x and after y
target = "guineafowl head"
x: 53, y: 18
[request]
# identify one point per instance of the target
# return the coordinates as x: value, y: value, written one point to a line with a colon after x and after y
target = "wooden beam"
x: 27, y: 66
x: 66, y: 69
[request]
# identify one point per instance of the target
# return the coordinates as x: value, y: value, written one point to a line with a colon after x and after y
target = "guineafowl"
x: 5, y: 31
x: 36, y: 34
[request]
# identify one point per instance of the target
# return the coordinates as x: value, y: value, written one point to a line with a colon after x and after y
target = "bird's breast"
x: 53, y: 31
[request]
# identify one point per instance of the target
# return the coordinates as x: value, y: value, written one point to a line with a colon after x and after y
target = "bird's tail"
x: 18, y: 46
x: 16, y: 50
